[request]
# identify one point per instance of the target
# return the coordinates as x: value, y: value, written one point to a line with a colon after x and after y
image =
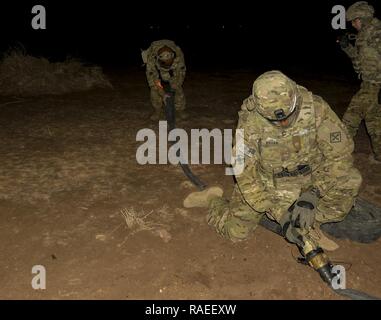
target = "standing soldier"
x: 366, y: 58
x: 298, y: 167
x: 165, y: 63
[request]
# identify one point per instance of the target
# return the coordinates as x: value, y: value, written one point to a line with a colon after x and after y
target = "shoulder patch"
x: 335, y: 137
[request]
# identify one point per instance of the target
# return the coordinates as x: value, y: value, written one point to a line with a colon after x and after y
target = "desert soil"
x: 68, y: 173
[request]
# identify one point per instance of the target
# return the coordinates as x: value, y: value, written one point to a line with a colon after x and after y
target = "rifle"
x: 345, y: 39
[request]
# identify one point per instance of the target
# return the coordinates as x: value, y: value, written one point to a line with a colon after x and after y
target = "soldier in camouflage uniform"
x: 366, y: 58
x: 298, y: 166
x: 164, y: 62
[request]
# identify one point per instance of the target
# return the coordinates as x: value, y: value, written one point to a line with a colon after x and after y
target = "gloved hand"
x: 289, y: 231
x: 303, y: 213
x: 158, y: 84
x: 159, y: 88
x: 343, y: 41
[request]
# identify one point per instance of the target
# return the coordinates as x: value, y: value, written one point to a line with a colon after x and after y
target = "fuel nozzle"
x: 318, y: 260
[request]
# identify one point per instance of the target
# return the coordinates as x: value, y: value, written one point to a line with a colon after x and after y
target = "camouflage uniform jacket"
x: 366, y: 54
x: 154, y: 71
x: 316, y: 138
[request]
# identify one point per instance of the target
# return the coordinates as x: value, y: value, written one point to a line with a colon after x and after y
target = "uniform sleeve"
x: 352, y: 53
x: 249, y: 183
x: 372, y: 55
x: 180, y: 69
x: 151, y: 70
x: 245, y: 154
x: 375, y: 40
x: 336, y: 146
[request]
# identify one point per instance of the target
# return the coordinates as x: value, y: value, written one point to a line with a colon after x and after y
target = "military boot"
x: 202, y: 199
x: 321, y: 239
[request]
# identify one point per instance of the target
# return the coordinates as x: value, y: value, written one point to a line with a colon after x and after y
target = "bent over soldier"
x: 165, y: 63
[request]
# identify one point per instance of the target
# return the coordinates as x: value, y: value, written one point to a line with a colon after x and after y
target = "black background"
x: 258, y: 35
x: 136, y: 309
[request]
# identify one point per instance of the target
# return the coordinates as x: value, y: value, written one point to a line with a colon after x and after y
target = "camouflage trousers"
x: 237, y: 218
x: 365, y: 106
x: 158, y: 104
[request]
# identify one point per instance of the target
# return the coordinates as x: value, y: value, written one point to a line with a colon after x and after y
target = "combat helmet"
x: 361, y: 10
x: 275, y: 96
x: 165, y: 56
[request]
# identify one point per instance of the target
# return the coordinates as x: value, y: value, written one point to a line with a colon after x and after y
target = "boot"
x: 324, y: 242
x: 201, y: 199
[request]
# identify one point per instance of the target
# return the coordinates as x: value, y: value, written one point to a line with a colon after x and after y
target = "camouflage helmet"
x: 360, y: 10
x: 165, y: 53
x: 275, y: 96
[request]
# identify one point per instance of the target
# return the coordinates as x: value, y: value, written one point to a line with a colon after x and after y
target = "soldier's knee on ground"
x: 355, y: 181
x: 226, y: 222
x: 337, y: 203
x: 349, y: 185
x: 236, y: 229
x: 218, y: 214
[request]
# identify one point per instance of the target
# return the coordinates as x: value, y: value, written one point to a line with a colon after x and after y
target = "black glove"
x: 379, y: 96
x: 303, y: 213
x: 343, y: 41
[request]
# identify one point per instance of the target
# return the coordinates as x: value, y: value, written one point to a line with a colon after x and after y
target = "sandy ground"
x: 68, y: 172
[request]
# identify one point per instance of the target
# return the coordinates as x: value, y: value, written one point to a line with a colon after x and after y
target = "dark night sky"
x: 261, y: 35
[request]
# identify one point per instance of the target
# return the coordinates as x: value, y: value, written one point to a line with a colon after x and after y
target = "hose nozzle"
x: 318, y: 260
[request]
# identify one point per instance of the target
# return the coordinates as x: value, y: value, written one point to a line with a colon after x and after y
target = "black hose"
x: 169, y: 102
x: 348, y: 293
x: 354, y: 294
x: 194, y: 179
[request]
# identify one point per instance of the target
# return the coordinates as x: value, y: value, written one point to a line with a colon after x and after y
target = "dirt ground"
x: 68, y: 173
